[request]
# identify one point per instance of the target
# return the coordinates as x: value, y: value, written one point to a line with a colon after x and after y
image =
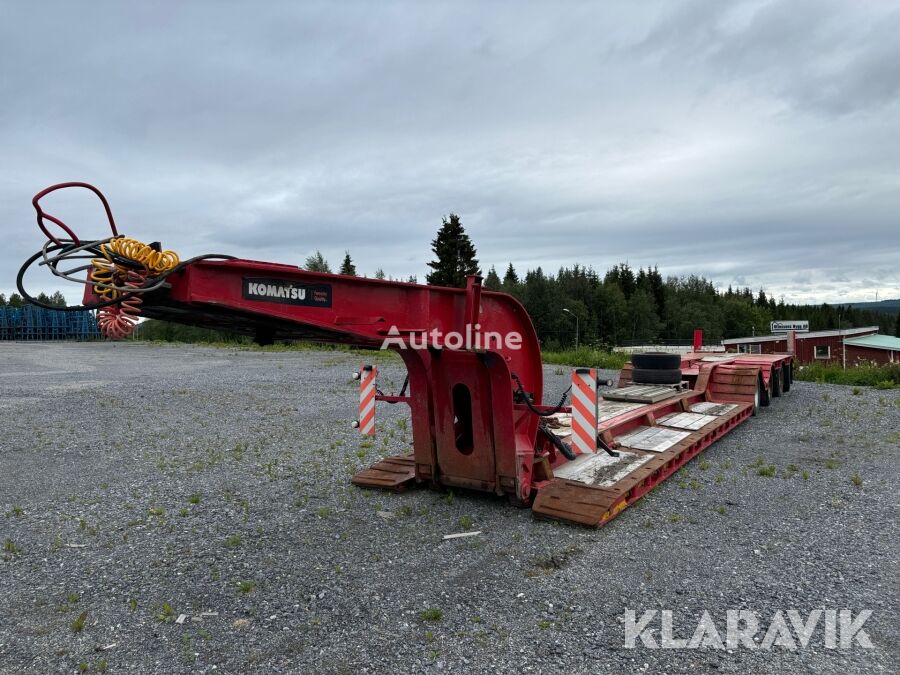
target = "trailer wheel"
x: 765, y: 397
x: 757, y: 396
x: 656, y: 361
x: 647, y: 376
x: 777, y: 383
x: 787, y: 376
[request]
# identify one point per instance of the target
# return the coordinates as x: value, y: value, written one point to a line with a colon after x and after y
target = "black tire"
x: 643, y: 376
x: 656, y: 361
x: 777, y: 382
x: 787, y: 376
x: 765, y: 398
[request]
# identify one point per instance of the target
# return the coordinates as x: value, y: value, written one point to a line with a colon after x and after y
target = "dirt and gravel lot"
x: 139, y: 483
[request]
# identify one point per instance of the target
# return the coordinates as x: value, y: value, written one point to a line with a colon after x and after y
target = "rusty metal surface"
x: 391, y: 473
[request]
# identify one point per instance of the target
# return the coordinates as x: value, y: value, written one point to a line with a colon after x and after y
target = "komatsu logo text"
x: 287, y: 292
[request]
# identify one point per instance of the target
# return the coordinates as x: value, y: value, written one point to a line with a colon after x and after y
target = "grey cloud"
x: 753, y: 142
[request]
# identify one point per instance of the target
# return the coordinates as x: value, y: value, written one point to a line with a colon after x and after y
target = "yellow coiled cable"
x: 105, y: 269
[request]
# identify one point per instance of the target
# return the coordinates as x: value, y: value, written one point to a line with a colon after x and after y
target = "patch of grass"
x: 83, y: 667
x: 545, y: 624
x: 857, y: 391
x: 247, y: 586
x: 156, y: 511
x: 727, y: 464
x: 856, y: 480
x: 233, y: 541
x: 767, y: 471
x: 805, y: 474
x: 695, y: 484
x: 676, y: 518
x: 77, y: 624
x: 166, y: 613
x: 885, y: 377
x: 10, y: 547
x: 102, y: 666
x: 721, y: 510
x: 132, y: 604
x: 366, y: 444
x: 16, y: 511
x: 832, y: 463
x: 465, y: 522
x: 72, y: 598
x: 704, y: 465
x: 323, y: 512
x: 719, y: 478
x: 449, y: 497
x: 431, y: 615
x: 183, y: 513
x: 195, y: 498
x: 586, y: 356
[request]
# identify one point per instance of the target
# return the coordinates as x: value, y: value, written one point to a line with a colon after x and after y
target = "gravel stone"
x: 143, y: 482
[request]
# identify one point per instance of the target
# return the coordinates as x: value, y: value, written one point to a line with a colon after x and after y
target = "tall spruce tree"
x: 492, y: 280
x: 317, y: 263
x: 455, y: 255
x: 897, y: 327
x: 347, y: 267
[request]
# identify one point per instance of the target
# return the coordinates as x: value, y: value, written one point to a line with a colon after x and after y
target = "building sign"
x: 785, y: 326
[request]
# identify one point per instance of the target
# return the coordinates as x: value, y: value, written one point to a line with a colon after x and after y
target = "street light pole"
x: 569, y: 312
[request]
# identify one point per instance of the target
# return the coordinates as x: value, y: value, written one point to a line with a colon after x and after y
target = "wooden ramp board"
x: 391, y: 473
x: 653, y: 439
x: 561, y: 423
x: 713, y: 408
x: 600, y: 469
x: 641, y: 393
x: 691, y: 421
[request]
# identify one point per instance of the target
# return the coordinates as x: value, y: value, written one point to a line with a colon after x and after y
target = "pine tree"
x: 492, y: 280
x: 897, y: 327
x: 510, y: 279
x: 15, y: 300
x: 455, y: 255
x: 347, y: 267
x: 379, y: 273
x: 2, y: 300
x: 317, y: 263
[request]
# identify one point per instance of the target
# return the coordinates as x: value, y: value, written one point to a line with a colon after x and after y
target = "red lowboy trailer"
x: 475, y: 378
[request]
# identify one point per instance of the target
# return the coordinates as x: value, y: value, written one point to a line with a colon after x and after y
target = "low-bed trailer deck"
x: 654, y: 430
x: 478, y: 421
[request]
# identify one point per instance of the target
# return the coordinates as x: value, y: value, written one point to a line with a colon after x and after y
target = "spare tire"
x: 656, y: 361
x: 645, y: 376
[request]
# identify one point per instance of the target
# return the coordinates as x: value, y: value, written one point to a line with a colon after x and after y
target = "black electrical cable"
x: 70, y: 246
x: 527, y: 400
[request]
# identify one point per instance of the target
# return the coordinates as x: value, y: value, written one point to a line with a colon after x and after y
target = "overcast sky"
x: 755, y: 143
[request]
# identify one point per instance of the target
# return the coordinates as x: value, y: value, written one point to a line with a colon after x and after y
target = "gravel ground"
x: 140, y: 482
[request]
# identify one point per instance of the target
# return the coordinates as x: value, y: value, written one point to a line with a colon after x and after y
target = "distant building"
x: 878, y: 349
x: 823, y: 346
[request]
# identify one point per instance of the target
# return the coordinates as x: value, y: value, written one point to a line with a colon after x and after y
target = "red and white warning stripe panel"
x: 367, y: 399
x: 584, y: 409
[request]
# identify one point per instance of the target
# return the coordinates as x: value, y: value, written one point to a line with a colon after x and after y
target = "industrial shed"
x: 878, y: 349
x: 823, y: 346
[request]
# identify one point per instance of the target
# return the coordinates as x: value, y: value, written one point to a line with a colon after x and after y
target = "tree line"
x: 623, y: 305
x: 15, y: 300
